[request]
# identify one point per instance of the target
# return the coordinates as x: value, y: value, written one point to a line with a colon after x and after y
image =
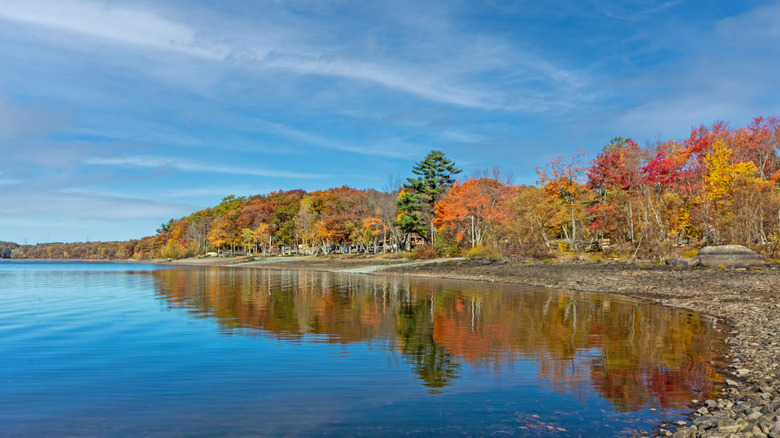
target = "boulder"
x: 684, y: 263
x: 730, y: 256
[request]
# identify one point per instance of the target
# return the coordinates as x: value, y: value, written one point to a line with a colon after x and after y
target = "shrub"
x: 482, y: 252
x: 597, y: 257
x: 691, y: 253
x: 563, y: 246
x: 424, y: 252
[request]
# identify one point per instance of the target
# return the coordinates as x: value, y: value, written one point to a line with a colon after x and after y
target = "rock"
x: 676, y: 263
x: 751, y: 427
x: 683, y: 433
x: 706, y: 422
x: 730, y: 256
x: 729, y: 426
x: 765, y: 426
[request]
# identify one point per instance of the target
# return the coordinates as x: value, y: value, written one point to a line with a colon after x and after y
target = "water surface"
x: 129, y: 350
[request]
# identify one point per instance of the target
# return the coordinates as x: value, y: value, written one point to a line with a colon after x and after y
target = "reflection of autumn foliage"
x: 633, y: 354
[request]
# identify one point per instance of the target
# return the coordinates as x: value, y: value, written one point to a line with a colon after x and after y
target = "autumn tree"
x: 384, y: 206
x: 334, y: 216
x: 474, y: 210
x: 614, y: 176
x: 285, y: 210
x: 532, y: 218
x: 563, y: 180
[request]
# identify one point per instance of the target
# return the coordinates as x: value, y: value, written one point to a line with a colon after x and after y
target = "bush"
x: 563, y: 246
x: 691, y: 253
x: 482, y: 252
x: 424, y: 252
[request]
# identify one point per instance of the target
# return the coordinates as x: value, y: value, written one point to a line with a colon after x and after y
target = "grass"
x: 482, y: 252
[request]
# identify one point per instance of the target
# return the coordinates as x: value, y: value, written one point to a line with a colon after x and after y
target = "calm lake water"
x: 136, y: 350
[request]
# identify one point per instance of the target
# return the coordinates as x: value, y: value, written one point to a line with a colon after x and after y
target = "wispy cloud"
x: 105, y: 21
x: 187, y: 166
x: 633, y: 9
x: 300, y: 136
x: 451, y: 77
x: 87, y: 205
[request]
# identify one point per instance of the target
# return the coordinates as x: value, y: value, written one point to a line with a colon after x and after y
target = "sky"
x: 116, y: 116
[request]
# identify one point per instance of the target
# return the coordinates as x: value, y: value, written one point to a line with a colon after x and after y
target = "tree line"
x: 717, y: 186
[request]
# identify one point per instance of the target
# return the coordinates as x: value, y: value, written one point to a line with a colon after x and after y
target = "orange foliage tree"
x: 474, y: 210
x: 563, y: 180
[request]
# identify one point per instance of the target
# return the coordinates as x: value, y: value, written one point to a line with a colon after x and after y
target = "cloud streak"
x: 453, y: 81
x: 87, y: 205
x: 187, y: 166
x: 106, y: 22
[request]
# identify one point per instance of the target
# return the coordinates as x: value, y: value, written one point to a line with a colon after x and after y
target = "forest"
x: 717, y: 186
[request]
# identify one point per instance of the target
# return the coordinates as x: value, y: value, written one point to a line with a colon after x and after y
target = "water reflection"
x: 631, y: 353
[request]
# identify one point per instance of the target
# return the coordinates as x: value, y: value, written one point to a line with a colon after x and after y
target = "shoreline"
x: 747, y: 299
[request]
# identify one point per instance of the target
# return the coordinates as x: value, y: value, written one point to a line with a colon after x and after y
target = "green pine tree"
x: 416, y: 204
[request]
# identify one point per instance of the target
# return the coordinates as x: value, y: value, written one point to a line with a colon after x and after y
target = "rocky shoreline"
x: 748, y: 299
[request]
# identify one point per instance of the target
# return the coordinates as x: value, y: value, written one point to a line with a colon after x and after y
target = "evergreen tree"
x: 417, y: 199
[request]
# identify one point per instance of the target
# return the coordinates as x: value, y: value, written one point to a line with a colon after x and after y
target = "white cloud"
x: 633, y: 9
x: 444, y: 71
x: 754, y: 30
x: 87, y: 205
x: 106, y: 22
x: 188, y: 166
x: 327, y: 143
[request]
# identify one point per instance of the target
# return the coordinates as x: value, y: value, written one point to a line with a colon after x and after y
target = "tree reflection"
x: 431, y: 361
x: 633, y: 354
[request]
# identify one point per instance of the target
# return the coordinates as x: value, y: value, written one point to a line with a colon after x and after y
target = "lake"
x: 141, y: 350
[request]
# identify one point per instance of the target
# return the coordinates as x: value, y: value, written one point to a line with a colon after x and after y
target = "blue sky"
x: 118, y: 115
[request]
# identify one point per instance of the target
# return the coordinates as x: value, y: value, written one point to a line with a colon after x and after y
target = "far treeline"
x: 718, y: 186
